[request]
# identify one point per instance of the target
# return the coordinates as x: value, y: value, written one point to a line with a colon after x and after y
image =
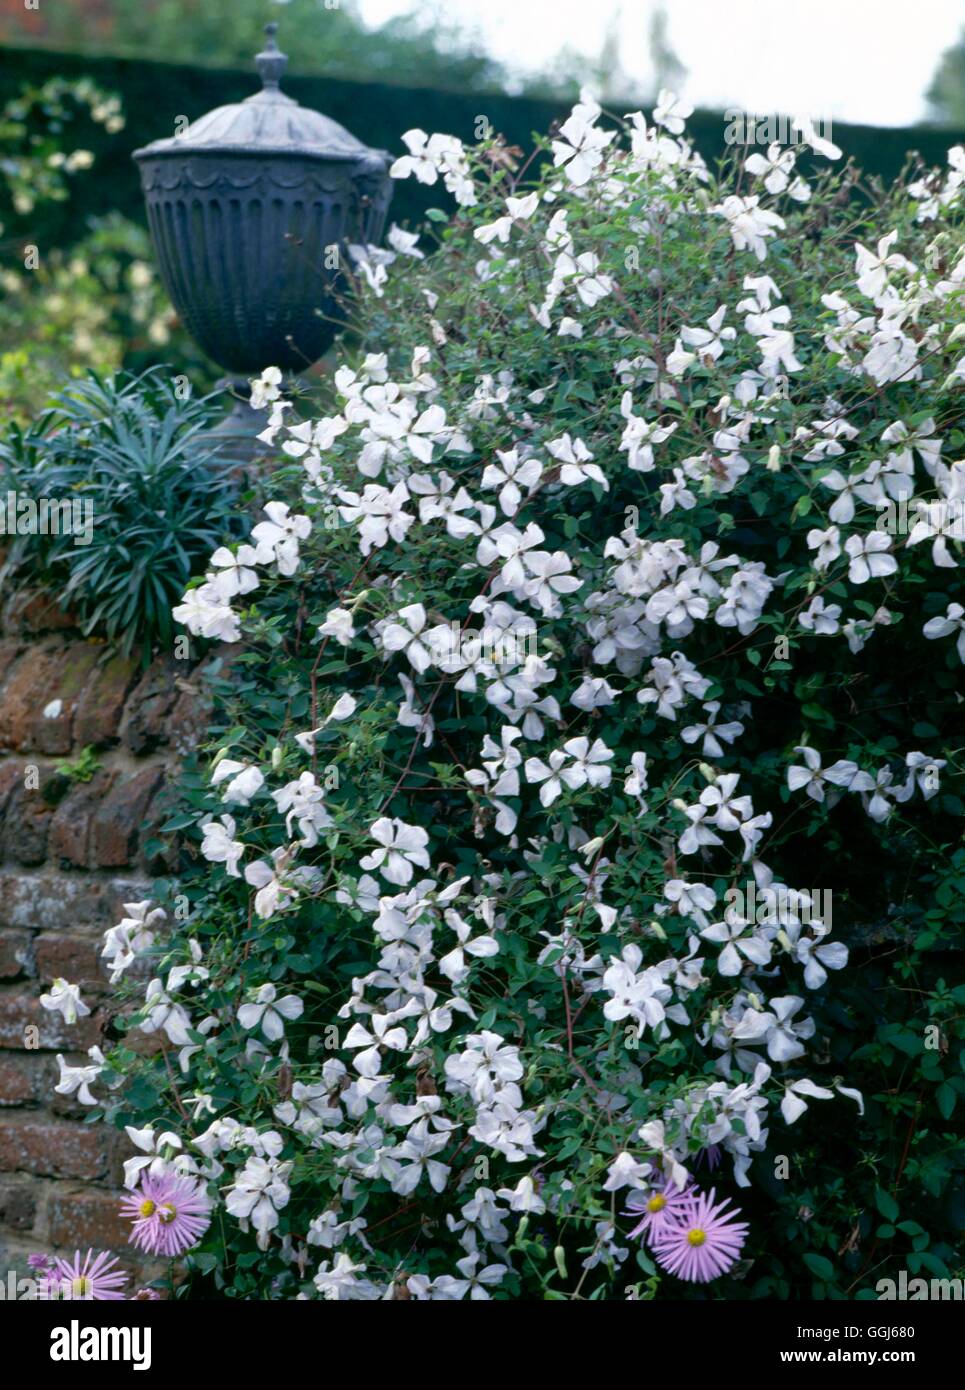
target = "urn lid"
x: 268, y: 123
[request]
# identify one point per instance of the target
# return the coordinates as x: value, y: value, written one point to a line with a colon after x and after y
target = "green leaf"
x: 945, y: 1098
x: 886, y: 1204
x: 820, y: 1266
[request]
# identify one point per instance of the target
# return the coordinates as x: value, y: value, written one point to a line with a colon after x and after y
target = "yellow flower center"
x: 696, y: 1236
x: 657, y: 1203
x: 80, y: 1287
x: 167, y: 1213
x: 147, y: 1207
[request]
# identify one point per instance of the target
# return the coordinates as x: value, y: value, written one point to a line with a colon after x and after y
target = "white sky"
x: 869, y: 61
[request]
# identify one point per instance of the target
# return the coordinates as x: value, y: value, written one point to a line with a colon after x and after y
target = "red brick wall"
x: 71, y: 853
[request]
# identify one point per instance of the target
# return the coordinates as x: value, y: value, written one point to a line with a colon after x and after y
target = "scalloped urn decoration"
x: 243, y: 206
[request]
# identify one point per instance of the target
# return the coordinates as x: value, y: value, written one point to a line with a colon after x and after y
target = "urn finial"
x: 271, y: 62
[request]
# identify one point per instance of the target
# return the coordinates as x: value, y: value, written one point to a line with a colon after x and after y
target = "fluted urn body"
x: 251, y: 210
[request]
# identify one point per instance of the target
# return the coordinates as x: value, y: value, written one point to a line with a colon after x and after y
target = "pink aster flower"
x: 702, y: 1242
x: 94, y: 1279
x: 170, y: 1213
x: 40, y: 1261
x: 656, y: 1207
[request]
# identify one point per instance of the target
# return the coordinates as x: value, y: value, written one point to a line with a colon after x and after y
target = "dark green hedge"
x: 153, y: 94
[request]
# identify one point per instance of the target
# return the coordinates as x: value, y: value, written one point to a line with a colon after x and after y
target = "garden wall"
x: 71, y: 853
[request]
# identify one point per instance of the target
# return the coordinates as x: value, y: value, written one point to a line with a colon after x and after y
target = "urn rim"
x: 267, y: 124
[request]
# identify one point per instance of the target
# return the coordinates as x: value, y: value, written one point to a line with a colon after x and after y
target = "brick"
x: 144, y: 1044
x: 11, y: 776
x: 14, y: 954
x: 34, y: 610
x: 52, y: 736
x: 119, y: 891
x: 189, y: 719
x: 26, y: 825
x: 152, y: 700
x: 121, y: 817
x: 99, y: 710
x: 14, y: 1252
x: 18, y: 1205
x: 51, y: 1149
x: 19, y: 1012
x: 74, y: 958
x: 70, y: 828
x: 10, y: 649
x: 188, y: 722
x: 87, y: 1219
x: 23, y: 696
x: 18, y: 1079
x: 49, y: 901
x: 119, y: 1149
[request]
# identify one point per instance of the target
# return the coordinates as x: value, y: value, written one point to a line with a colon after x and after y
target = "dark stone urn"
x: 245, y: 207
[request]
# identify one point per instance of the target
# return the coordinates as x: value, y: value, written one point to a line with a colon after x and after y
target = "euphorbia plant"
x: 579, y: 675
